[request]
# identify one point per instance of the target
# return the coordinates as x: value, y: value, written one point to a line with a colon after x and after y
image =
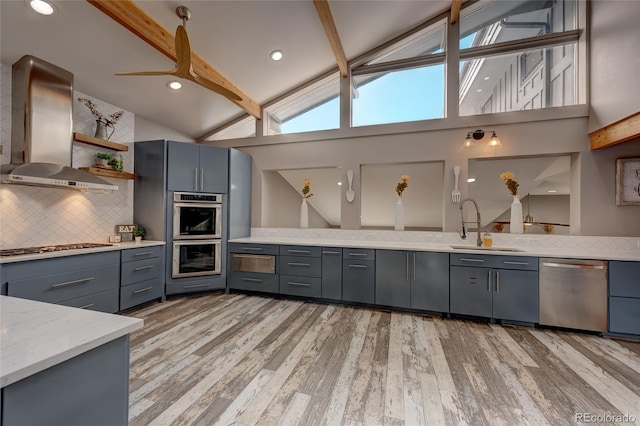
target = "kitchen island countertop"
x: 35, y: 335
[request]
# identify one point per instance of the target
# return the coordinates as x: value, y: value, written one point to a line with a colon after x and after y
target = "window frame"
x: 452, y: 57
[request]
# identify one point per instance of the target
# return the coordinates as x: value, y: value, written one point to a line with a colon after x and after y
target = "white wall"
x: 147, y: 130
x: 615, y: 62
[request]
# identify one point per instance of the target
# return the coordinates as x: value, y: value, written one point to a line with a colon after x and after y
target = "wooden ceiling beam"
x: 618, y: 132
x: 329, y: 25
x: 455, y: 10
x: 136, y: 20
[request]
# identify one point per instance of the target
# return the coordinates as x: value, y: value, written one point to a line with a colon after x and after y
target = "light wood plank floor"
x: 248, y: 360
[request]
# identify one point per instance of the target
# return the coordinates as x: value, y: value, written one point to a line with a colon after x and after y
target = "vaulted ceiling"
x: 235, y: 37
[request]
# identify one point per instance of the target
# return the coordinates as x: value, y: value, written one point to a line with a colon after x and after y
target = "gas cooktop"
x: 45, y: 249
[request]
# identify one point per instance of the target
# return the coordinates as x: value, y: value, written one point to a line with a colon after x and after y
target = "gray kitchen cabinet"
x: 358, y: 277
x: 89, y: 389
x: 89, y: 281
x: 141, y: 274
x: 410, y: 279
x: 199, y: 168
x: 331, y: 286
x: 499, y: 287
x: 300, y: 274
x: 624, y: 297
x: 3, y: 281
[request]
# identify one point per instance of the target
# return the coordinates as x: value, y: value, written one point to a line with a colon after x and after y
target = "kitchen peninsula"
x: 62, y: 365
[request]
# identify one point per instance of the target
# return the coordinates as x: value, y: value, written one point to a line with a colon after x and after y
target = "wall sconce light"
x: 476, y: 135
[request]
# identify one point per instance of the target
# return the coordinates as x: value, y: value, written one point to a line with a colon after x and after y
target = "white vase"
x: 399, y: 216
x: 515, y: 226
x: 138, y: 239
x: 304, y: 214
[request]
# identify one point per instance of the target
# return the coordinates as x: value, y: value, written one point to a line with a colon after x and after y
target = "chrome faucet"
x: 463, y: 235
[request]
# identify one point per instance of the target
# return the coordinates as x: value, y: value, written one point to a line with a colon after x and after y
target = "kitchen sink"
x: 504, y: 249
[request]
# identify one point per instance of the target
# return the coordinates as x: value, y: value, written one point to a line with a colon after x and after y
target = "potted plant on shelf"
x: 104, y: 158
x: 138, y: 233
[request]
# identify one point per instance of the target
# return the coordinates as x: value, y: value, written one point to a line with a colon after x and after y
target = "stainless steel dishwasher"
x: 573, y: 293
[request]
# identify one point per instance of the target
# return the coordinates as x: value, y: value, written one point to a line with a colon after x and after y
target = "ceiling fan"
x: 183, y: 68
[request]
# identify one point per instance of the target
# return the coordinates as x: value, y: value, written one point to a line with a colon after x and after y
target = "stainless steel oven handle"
x: 252, y: 256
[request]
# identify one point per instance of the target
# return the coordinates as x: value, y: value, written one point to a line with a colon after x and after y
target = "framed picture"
x: 628, y: 182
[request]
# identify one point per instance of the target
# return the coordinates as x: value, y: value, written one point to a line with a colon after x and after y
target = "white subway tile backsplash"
x: 34, y: 216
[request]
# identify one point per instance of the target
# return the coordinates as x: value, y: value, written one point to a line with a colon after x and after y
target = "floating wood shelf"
x: 109, y: 173
x: 103, y: 143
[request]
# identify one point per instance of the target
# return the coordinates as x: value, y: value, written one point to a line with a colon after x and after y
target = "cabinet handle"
x: 298, y: 284
x: 407, y: 276
x: 146, y: 253
x: 251, y: 248
x: 357, y: 254
x: 299, y: 251
x: 80, y: 281
x: 195, y: 183
x: 497, y: 282
x: 330, y: 252
x: 414, y: 266
x: 142, y: 290
x: 510, y: 262
x: 252, y: 280
x: 202, y: 179
x: 298, y: 264
x: 465, y: 259
x: 489, y: 280
x: 196, y: 285
x: 141, y: 268
x: 358, y: 266
x: 86, y: 306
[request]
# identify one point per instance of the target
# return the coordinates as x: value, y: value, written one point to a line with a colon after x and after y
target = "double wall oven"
x: 197, y: 233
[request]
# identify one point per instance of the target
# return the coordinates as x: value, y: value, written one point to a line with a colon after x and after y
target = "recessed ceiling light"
x: 276, y: 55
x: 478, y: 90
x: 339, y: 183
x: 175, y: 85
x: 470, y: 180
x: 487, y: 78
x: 552, y: 191
x: 42, y: 7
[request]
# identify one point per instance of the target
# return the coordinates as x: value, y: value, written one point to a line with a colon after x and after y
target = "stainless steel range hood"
x: 42, y: 127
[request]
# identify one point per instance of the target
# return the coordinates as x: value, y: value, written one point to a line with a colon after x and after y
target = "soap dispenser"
x: 487, y: 240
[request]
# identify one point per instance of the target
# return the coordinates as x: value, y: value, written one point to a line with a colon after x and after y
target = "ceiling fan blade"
x: 183, y: 51
x: 214, y: 87
x: 170, y: 72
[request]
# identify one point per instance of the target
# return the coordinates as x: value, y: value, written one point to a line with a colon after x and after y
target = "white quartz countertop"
x: 62, y: 253
x: 573, y: 253
x: 36, y: 335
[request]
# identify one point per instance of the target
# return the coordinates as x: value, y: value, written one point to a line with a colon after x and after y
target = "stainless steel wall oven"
x: 197, y: 232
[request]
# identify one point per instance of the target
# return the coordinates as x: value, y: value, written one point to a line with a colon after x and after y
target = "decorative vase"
x: 515, y: 226
x: 304, y: 214
x: 101, y: 130
x: 399, y: 215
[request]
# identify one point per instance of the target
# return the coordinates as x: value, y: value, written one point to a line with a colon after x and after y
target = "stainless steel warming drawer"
x: 264, y: 264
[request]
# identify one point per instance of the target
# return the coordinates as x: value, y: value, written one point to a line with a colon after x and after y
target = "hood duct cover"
x: 42, y: 129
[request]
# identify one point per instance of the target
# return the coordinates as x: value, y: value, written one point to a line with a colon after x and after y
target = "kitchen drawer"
x: 185, y: 286
x: 358, y: 253
x: 141, y: 253
x: 254, y: 248
x: 266, y: 283
x: 624, y: 279
x: 70, y: 285
x: 104, y: 301
x: 300, y: 286
x: 60, y: 265
x: 624, y: 315
x: 140, y: 270
x: 301, y: 266
x: 494, y: 261
x: 300, y: 251
x: 139, y: 293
